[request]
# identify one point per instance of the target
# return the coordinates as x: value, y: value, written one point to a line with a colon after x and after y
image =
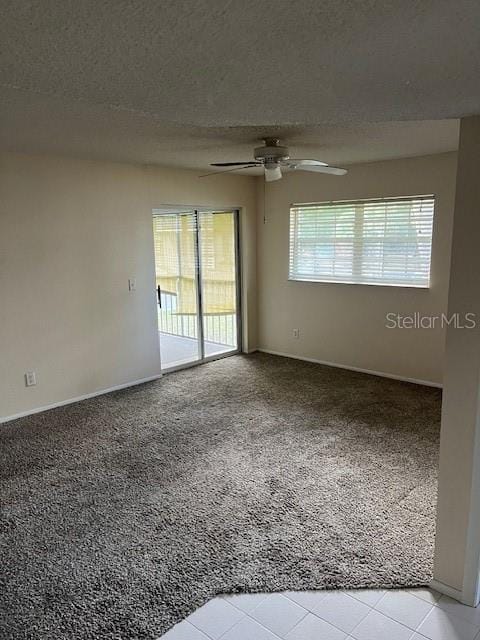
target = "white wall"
x: 71, y: 234
x: 345, y: 324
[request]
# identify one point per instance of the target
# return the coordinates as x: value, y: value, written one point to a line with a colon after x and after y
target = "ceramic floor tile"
x: 246, y: 602
x: 440, y: 625
x: 471, y: 614
x: 360, y: 614
x: 184, y: 631
x: 429, y: 595
x: 314, y: 628
x: 403, y: 607
x: 278, y: 613
x: 215, y: 617
x: 307, y: 599
x: 342, y: 611
x: 367, y: 596
x: 248, y: 629
x: 376, y: 626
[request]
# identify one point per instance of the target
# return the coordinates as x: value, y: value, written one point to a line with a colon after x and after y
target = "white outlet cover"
x: 30, y: 379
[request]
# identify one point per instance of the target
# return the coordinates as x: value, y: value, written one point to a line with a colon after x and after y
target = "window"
x: 385, y: 242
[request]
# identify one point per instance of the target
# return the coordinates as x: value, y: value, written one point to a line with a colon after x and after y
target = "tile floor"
x: 418, y: 614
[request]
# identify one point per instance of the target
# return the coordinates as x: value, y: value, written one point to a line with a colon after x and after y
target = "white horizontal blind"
x: 384, y: 241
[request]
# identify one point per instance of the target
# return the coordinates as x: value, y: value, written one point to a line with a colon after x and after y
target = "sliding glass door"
x: 176, y: 266
x: 218, y: 281
x: 196, y: 262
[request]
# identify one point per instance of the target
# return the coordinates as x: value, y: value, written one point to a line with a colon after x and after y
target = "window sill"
x: 366, y: 284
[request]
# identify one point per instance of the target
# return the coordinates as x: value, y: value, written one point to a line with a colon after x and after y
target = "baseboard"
x: 62, y: 403
x: 446, y: 590
x: 382, y: 374
x: 101, y: 392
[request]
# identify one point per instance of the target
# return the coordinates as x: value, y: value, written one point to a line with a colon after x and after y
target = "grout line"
x: 253, y: 620
x: 432, y: 606
x: 317, y: 615
x: 226, y: 631
x: 243, y: 594
x: 455, y: 615
x: 477, y: 637
x: 358, y: 623
x: 349, y: 593
x: 394, y: 619
x: 198, y: 629
x: 428, y: 637
x: 287, y: 598
x: 412, y: 592
x: 424, y: 618
x: 385, y: 615
x: 371, y: 609
x: 349, y: 634
x: 249, y: 614
x: 194, y: 627
x: 302, y: 618
x: 295, y: 602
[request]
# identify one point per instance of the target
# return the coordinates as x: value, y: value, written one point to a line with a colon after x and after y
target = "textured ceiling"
x: 188, y: 82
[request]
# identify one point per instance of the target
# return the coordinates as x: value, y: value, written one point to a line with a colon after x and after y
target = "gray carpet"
x: 122, y: 514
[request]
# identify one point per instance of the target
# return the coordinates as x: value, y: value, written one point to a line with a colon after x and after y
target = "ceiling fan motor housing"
x: 271, y: 153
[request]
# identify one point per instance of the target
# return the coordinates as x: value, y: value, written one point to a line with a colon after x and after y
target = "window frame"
x: 361, y: 201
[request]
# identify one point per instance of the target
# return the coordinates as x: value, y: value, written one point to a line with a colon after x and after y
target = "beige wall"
x: 71, y: 234
x: 345, y: 324
x: 458, y: 517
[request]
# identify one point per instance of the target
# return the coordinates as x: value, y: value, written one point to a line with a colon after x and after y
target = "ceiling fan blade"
x: 273, y: 174
x: 335, y: 171
x: 296, y: 162
x: 216, y: 173
x: 232, y: 164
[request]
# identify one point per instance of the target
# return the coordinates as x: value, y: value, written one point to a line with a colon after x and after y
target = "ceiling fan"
x: 274, y: 158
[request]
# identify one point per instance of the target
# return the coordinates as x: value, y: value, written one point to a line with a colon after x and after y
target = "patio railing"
x: 219, y: 328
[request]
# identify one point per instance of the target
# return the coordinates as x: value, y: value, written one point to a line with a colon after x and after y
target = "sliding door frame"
x: 198, y: 271
x: 238, y: 283
x: 198, y: 284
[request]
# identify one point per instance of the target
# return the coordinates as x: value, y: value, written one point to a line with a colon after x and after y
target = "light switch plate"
x: 30, y: 379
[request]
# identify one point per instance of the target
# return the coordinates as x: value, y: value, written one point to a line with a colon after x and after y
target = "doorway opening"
x: 197, y: 285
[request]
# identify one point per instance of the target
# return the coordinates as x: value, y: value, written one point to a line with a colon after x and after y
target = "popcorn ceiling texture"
x: 43, y: 124
x: 250, y: 62
x: 221, y: 68
x: 122, y: 514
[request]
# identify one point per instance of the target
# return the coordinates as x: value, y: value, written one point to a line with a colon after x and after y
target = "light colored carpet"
x: 123, y: 513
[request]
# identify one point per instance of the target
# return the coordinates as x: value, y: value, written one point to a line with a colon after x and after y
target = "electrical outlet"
x: 296, y: 333
x: 132, y: 284
x: 30, y: 379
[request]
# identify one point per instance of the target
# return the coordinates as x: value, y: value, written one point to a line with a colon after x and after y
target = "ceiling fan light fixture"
x: 272, y: 172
